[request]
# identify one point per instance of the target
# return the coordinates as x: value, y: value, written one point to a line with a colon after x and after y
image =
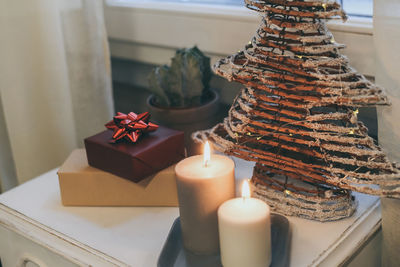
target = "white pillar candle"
x: 245, y: 231
x: 204, y: 183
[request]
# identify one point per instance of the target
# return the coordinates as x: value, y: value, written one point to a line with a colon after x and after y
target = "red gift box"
x: 135, y: 161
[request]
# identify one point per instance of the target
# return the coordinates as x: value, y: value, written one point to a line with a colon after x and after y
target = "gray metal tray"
x: 174, y: 255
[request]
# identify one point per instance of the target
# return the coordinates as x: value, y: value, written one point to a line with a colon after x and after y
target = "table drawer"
x: 17, y: 250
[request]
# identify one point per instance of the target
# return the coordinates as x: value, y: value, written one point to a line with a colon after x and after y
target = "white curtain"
x: 54, y: 80
x: 387, y: 43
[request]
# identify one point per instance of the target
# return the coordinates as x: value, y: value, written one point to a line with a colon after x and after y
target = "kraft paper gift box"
x: 83, y: 185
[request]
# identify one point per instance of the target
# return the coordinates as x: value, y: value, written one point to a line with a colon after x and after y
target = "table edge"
x: 368, y: 221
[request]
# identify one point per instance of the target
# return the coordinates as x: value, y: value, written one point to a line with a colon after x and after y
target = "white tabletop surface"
x: 135, y: 235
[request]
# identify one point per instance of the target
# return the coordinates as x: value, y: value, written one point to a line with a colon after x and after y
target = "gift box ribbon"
x: 130, y: 126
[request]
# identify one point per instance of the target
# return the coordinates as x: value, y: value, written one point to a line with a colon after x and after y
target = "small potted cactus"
x: 181, y: 97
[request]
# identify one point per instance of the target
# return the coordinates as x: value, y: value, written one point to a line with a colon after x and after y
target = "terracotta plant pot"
x: 187, y: 120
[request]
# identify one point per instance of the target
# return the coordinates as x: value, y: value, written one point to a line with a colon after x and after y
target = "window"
x: 362, y: 8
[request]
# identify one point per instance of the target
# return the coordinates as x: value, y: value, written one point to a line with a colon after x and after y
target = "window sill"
x: 150, y: 31
x: 186, y: 9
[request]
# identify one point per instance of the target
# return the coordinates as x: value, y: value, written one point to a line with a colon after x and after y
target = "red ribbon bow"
x: 130, y: 126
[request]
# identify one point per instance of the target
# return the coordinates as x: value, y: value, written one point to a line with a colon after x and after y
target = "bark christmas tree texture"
x: 297, y: 115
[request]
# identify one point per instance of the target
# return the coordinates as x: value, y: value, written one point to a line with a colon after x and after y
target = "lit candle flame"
x: 245, y: 189
x: 206, y: 154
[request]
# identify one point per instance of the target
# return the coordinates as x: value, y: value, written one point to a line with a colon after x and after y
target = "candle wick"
x: 206, y: 163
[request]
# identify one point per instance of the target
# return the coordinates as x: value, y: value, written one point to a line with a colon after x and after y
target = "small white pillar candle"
x: 245, y: 231
x: 204, y: 182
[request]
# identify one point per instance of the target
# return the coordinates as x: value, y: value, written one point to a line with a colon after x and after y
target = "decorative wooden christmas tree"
x: 297, y: 115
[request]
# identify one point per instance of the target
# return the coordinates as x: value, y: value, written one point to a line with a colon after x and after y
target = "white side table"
x: 35, y: 227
